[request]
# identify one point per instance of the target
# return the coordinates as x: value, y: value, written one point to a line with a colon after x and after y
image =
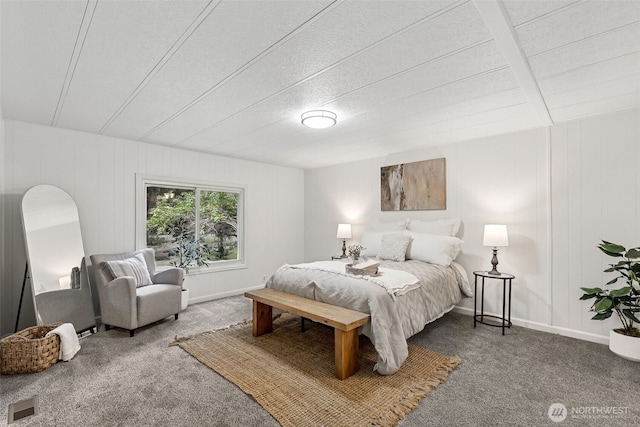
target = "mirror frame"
x: 66, y: 305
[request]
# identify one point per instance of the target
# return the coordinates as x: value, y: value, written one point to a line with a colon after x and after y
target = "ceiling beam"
x: 83, y: 30
x: 499, y: 25
x: 204, y: 14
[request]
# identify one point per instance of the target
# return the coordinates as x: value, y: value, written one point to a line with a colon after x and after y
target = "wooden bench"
x: 345, y: 322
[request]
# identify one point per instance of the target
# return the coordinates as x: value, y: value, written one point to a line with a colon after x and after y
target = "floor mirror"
x: 56, y: 259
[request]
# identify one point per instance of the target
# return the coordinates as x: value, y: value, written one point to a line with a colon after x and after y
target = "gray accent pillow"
x: 135, y: 267
x: 394, y: 247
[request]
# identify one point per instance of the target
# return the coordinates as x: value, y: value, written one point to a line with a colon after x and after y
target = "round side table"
x: 479, y: 318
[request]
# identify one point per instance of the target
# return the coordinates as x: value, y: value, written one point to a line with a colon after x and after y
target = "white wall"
x: 596, y: 196
x: 99, y: 173
x: 4, y: 317
x: 4, y: 296
x: 493, y: 180
x: 560, y: 191
x: 578, y: 183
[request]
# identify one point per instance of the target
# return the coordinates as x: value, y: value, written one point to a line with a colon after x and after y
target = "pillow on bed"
x: 389, y: 226
x: 444, y: 227
x: 434, y: 249
x: 394, y: 246
x: 371, y: 241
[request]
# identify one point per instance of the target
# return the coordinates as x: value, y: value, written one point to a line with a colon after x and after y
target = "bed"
x: 424, y: 251
x: 394, y: 317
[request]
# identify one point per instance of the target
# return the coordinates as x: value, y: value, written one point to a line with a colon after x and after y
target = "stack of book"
x: 366, y: 268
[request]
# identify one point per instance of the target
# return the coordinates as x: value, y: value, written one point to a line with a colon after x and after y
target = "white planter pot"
x: 625, y: 346
x: 185, y: 299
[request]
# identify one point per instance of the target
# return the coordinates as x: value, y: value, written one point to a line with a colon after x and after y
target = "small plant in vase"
x: 354, y: 252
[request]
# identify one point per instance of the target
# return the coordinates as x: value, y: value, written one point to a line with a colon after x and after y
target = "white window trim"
x: 141, y: 217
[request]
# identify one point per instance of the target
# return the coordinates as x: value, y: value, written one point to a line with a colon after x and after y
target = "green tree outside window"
x: 184, y: 239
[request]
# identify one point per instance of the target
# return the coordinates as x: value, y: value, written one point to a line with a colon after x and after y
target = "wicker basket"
x: 29, y: 350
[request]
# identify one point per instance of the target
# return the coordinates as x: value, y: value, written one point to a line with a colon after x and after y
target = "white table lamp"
x: 344, y: 232
x: 495, y: 235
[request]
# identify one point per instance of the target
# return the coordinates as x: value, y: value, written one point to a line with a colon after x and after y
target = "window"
x: 192, y: 226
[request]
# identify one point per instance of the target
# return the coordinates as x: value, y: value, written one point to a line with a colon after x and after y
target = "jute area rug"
x: 292, y: 374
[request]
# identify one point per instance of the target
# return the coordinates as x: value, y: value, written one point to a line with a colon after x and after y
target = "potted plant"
x: 354, y: 252
x: 623, y: 301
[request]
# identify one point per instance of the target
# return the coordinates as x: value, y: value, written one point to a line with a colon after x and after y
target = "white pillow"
x: 389, y: 226
x: 444, y: 227
x: 434, y: 249
x: 394, y: 246
x: 135, y: 267
x: 371, y: 240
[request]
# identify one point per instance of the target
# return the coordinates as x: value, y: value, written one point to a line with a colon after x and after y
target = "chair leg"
x: 176, y: 316
x: 131, y: 332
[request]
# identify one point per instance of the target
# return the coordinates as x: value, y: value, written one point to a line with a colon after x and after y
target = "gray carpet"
x: 512, y: 380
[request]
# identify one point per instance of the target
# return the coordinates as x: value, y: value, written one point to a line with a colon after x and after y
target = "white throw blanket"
x: 69, y: 342
x: 395, y: 282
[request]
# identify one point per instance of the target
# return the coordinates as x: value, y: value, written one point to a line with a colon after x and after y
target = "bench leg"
x: 262, y: 319
x: 346, y: 344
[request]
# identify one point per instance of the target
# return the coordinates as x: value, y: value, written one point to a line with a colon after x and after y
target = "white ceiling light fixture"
x: 319, y: 119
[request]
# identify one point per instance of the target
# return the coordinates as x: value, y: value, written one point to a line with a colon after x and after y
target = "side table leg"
x: 509, y: 303
x: 475, y: 300
x: 482, y: 302
x: 504, y: 299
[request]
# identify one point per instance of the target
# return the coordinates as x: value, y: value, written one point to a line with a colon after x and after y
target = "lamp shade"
x: 344, y: 231
x: 319, y: 119
x: 495, y: 235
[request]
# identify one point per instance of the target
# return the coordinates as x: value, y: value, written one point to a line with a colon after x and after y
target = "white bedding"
x: 395, y: 282
x: 392, y: 321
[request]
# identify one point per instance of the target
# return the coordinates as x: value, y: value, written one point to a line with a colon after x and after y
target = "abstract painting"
x: 414, y: 186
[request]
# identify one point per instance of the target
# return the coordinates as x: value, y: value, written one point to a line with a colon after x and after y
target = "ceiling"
x: 233, y: 77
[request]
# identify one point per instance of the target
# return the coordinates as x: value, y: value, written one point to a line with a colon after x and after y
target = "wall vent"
x: 23, y: 409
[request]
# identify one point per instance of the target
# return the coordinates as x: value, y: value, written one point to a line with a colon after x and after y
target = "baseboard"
x: 220, y: 295
x: 571, y: 333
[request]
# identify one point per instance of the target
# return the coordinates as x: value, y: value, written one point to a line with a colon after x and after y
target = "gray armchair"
x: 124, y: 305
